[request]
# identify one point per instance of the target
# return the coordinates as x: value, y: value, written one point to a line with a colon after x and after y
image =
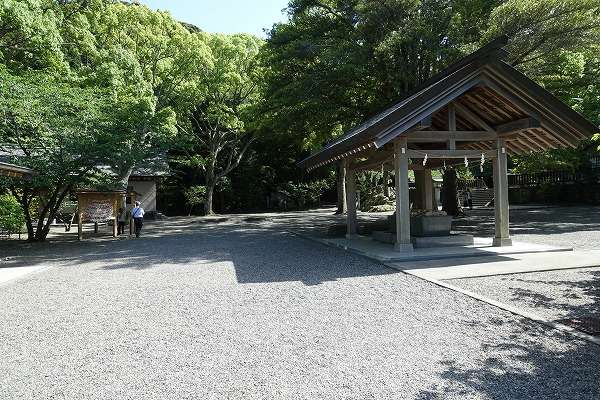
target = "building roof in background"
x: 7, y: 169
x: 153, y: 167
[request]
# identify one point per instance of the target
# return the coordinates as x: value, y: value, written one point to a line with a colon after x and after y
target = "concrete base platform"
x: 443, y: 241
x: 425, y: 241
x: 481, y: 259
x: 502, y: 242
x: 469, y: 267
x: 482, y: 247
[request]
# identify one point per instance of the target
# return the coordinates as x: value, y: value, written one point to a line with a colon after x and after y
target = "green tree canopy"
x: 219, y: 129
x: 29, y: 35
x: 64, y: 132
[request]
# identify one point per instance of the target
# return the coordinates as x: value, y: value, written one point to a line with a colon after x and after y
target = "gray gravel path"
x: 578, y: 227
x: 552, y: 294
x: 247, y: 311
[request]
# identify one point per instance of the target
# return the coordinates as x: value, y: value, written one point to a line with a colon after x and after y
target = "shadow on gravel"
x: 577, y: 297
x: 258, y: 254
x: 518, y: 368
x: 544, y: 221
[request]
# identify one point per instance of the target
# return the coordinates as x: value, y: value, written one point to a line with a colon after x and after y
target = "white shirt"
x: 137, y: 212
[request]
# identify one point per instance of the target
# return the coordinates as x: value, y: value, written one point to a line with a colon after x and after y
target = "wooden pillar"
x: 451, y: 125
x: 116, y: 203
x: 501, y: 208
x: 403, y: 242
x: 386, y: 181
x: 419, y: 194
x: 351, y: 220
x: 428, y: 190
x: 341, y: 186
x: 79, y: 224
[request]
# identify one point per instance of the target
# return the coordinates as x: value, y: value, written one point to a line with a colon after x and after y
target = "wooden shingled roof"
x: 12, y: 170
x: 488, y: 92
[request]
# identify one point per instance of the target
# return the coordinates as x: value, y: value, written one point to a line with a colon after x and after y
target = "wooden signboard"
x: 98, y: 211
x: 98, y: 207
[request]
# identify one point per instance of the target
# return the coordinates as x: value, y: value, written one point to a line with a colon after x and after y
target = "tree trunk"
x: 210, y: 189
x: 386, y: 183
x: 211, y: 182
x: 450, y: 193
x: 24, y: 201
x: 50, y: 214
x: 124, y: 175
x: 341, y: 187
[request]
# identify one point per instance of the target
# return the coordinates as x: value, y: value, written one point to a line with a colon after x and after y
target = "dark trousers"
x: 121, y: 228
x: 138, y: 223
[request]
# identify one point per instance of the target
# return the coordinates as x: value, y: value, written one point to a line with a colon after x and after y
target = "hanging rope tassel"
x: 482, y: 162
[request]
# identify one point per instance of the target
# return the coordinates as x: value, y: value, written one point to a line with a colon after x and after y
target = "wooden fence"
x: 538, y: 178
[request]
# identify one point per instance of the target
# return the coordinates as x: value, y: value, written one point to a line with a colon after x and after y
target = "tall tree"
x: 218, y: 132
x: 555, y: 42
x: 144, y: 56
x: 338, y: 62
x: 63, y: 132
x: 29, y: 35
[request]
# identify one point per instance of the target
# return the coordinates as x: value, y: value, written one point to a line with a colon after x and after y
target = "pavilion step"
x: 426, y: 241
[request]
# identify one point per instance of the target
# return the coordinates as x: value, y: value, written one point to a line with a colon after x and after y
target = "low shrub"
x: 12, y: 218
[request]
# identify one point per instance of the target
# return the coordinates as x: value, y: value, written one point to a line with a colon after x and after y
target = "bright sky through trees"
x: 225, y: 16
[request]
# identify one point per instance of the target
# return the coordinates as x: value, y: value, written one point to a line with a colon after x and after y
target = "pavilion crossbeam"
x: 451, y: 153
x: 444, y: 136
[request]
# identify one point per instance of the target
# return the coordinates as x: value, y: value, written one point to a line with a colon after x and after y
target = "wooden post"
x: 80, y: 225
x: 403, y: 242
x: 428, y: 190
x: 116, y: 203
x: 341, y: 186
x: 419, y: 198
x: 451, y: 125
x: 351, y: 220
x: 501, y: 208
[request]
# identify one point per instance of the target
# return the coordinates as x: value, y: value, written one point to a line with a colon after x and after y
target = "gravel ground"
x: 552, y: 294
x: 200, y: 310
x: 578, y: 227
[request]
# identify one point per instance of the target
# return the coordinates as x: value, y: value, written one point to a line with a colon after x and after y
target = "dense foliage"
x: 337, y: 62
x: 12, y: 218
x: 90, y: 84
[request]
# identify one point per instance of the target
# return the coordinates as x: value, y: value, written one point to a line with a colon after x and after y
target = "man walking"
x: 122, y: 219
x: 469, y: 199
x: 137, y: 213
